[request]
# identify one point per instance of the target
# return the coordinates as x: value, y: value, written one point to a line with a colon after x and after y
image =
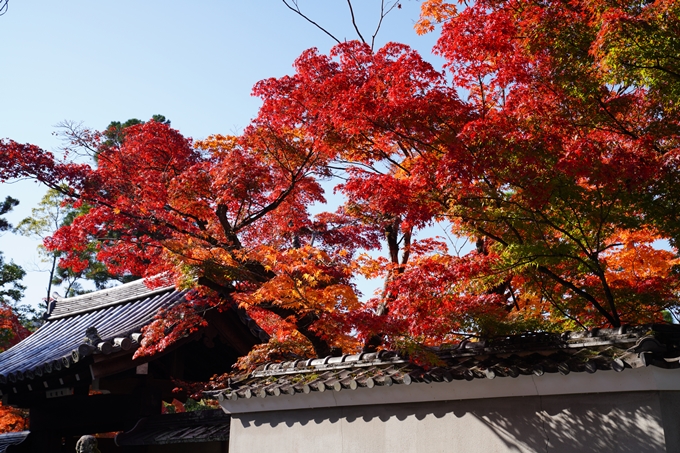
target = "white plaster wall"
x: 629, y: 422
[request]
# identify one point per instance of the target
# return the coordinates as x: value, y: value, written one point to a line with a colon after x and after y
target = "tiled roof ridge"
x: 126, y: 341
x: 363, y: 359
x: 526, y: 342
x: 529, y: 354
x: 60, y: 343
x: 126, y: 292
x: 216, y: 415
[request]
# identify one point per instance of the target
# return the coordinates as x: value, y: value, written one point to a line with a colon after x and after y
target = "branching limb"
x: 354, y: 22
x: 613, y: 320
x: 76, y: 138
x: 549, y: 297
x: 303, y: 325
x: 296, y: 10
x: 384, y: 11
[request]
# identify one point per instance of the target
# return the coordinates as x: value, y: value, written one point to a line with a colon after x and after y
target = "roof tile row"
x: 60, y: 342
x: 187, y: 427
x: 529, y: 354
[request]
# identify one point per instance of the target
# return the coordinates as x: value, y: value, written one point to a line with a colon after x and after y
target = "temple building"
x: 77, y: 376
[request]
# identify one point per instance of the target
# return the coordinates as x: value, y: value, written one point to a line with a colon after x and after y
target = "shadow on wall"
x: 613, y: 422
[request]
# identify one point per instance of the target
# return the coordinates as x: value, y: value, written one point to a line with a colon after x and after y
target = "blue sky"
x: 195, y: 63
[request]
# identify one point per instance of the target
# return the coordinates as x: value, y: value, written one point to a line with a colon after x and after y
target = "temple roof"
x: 9, y: 439
x: 102, y: 322
x: 512, y: 356
x: 133, y: 291
x: 187, y: 427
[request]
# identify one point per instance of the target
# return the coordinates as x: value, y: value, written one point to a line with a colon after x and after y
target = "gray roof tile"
x: 188, y: 427
x: 118, y: 314
x: 62, y: 307
x: 9, y: 439
x: 539, y: 353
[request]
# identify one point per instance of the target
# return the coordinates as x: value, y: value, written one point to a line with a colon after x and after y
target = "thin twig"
x: 297, y: 11
x: 383, y: 14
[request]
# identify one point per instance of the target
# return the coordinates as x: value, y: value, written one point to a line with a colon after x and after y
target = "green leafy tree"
x: 5, y: 207
x: 11, y: 290
x: 14, y: 317
x: 53, y: 212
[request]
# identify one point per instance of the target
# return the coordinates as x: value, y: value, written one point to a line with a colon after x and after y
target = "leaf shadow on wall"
x: 613, y: 422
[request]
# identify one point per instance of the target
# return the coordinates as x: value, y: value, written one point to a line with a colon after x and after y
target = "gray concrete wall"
x: 631, y: 422
x: 670, y: 414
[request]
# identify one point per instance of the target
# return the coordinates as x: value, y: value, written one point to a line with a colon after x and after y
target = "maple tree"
x: 551, y: 144
x: 114, y: 134
x: 198, y: 210
x: 576, y: 132
x: 12, y: 419
x: 542, y: 195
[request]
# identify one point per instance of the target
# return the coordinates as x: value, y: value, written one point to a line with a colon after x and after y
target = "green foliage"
x: 202, y: 405
x: 54, y: 211
x: 190, y: 405
x: 115, y: 131
x: 639, y: 46
x: 11, y: 289
x: 5, y: 207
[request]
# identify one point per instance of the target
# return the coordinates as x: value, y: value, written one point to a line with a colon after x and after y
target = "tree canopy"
x: 550, y: 142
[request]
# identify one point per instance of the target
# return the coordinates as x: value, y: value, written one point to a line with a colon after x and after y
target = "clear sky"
x: 97, y: 61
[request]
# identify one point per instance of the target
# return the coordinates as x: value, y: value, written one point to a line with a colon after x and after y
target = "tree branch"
x: 302, y: 324
x: 354, y: 22
x: 615, y: 322
x: 297, y: 11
